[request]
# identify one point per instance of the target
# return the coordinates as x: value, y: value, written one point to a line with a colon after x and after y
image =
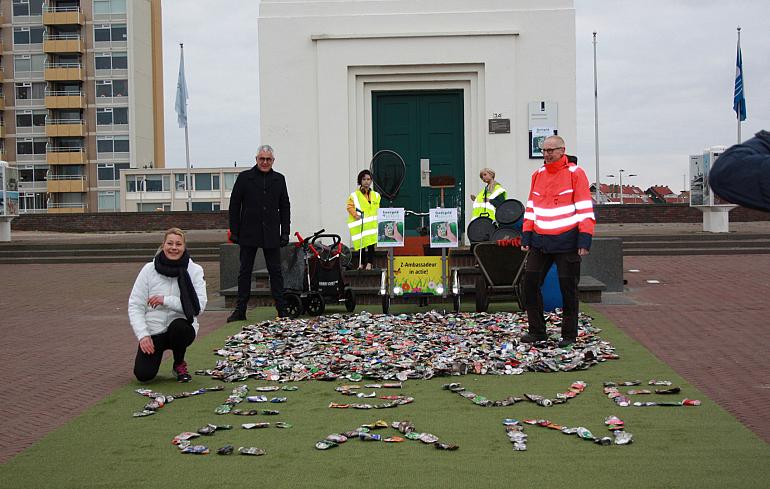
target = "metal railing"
x: 66, y: 205
x: 81, y: 178
x: 62, y: 93
x: 55, y: 149
x: 74, y: 8
x: 63, y: 65
x: 52, y: 122
x: 72, y: 36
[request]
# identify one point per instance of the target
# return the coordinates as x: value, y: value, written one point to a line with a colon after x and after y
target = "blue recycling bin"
x: 551, y: 292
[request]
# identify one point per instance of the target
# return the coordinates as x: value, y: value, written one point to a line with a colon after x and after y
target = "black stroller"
x: 324, y: 279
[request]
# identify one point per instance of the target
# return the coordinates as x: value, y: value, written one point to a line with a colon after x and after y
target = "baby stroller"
x: 324, y: 280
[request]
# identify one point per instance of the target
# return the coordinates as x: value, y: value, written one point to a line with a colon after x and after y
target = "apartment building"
x: 164, y: 189
x: 81, y: 99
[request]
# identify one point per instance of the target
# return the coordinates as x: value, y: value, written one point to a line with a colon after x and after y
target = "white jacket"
x: 147, y: 321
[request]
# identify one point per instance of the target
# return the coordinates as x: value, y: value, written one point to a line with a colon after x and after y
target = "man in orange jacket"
x: 558, y: 228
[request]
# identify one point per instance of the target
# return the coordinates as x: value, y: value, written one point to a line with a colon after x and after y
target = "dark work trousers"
x: 367, y: 254
x: 273, y: 263
x: 179, y: 335
x: 536, y: 269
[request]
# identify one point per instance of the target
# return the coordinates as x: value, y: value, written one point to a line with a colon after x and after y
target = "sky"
x: 665, y: 70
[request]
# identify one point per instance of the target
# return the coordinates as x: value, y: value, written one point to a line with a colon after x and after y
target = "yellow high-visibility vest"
x: 482, y: 204
x: 363, y: 232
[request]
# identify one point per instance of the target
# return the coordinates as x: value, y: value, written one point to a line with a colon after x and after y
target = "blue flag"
x: 739, y: 101
x: 181, y: 95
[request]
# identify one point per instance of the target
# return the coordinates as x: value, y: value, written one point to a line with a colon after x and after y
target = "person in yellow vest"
x: 492, y: 195
x: 362, y: 219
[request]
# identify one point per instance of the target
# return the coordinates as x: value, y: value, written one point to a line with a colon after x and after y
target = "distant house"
x: 661, y: 194
x: 610, y: 194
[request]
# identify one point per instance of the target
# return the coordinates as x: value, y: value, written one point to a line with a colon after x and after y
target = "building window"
x: 30, y: 118
x: 202, y: 181
x: 30, y: 91
x: 110, y: 32
x: 26, y: 63
x: 28, y: 35
x: 27, y: 7
x: 109, y: 7
x: 109, y: 116
x: 205, y: 206
x: 117, y: 60
x: 111, y: 88
x: 108, y: 201
x: 31, y: 146
x: 112, y: 144
x: 32, y: 174
x: 230, y: 180
x: 214, y: 182
x: 32, y: 201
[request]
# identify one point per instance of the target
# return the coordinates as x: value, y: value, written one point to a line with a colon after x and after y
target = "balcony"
x: 57, y: 128
x: 66, y: 208
x: 2, y: 130
x: 66, y: 183
x: 2, y: 74
x: 63, y: 16
x: 65, y: 156
x: 64, y: 100
x: 2, y: 101
x: 64, y: 72
x: 64, y: 43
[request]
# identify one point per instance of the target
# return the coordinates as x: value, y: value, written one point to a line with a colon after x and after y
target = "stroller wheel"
x: 293, y: 305
x: 314, y: 304
x: 350, y: 300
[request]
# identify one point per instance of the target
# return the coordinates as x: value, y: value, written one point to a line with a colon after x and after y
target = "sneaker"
x: 237, y: 315
x: 180, y: 369
x: 565, y: 342
x: 530, y: 338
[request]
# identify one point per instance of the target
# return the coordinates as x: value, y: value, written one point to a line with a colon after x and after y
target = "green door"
x: 419, y: 125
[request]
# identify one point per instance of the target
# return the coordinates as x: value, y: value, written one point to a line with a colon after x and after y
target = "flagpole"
x: 738, y: 113
x: 188, y: 183
x: 596, y: 127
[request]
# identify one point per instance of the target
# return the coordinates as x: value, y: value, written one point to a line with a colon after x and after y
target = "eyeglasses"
x: 551, y: 150
x: 264, y: 159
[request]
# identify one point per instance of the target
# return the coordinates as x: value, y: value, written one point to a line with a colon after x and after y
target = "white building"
x: 164, y: 189
x: 342, y: 79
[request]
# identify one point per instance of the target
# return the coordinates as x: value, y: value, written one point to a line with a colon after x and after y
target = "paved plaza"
x: 67, y: 343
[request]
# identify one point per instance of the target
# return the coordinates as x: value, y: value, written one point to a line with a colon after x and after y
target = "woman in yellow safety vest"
x: 492, y: 195
x: 362, y: 219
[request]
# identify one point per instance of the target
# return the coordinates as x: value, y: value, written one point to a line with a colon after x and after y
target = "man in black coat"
x: 260, y: 218
x: 741, y: 174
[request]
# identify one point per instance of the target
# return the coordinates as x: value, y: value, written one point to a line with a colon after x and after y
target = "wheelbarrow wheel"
x: 456, y: 302
x: 314, y: 304
x: 293, y: 305
x: 350, y: 299
x: 385, y: 304
x: 482, y: 299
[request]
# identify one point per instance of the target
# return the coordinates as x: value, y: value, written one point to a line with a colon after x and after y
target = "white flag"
x: 181, y: 95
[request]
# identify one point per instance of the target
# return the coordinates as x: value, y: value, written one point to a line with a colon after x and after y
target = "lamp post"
x: 620, y: 176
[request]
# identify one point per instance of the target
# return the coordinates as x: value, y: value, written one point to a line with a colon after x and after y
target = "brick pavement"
x: 64, y: 327
x: 708, y: 320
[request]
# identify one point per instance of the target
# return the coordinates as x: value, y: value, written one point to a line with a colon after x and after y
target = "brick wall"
x: 158, y: 221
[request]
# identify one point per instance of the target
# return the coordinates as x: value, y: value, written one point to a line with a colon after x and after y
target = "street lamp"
x: 620, y: 175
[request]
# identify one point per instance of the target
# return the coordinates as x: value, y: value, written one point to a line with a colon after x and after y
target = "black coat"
x: 259, y: 209
x: 742, y: 173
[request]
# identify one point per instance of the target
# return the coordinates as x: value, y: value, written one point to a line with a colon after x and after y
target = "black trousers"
x: 179, y: 335
x: 367, y: 254
x: 535, y: 271
x: 273, y: 263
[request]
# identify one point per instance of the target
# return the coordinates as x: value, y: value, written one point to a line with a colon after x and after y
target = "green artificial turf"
x: 676, y: 447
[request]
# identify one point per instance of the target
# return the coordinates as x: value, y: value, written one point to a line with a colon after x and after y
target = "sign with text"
x: 443, y: 228
x: 390, y: 227
x: 417, y: 274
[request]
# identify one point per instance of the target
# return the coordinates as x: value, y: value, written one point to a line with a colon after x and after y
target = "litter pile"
x: 406, y: 346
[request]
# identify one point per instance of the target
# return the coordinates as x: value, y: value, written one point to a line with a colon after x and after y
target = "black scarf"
x: 178, y: 268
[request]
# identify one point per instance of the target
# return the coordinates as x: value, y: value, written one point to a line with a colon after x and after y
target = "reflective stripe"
x: 530, y: 204
x: 573, y: 169
x: 558, y: 223
x: 355, y: 201
x: 529, y: 215
x: 495, y: 193
x: 359, y: 222
x: 588, y: 215
x: 568, y: 191
x: 583, y: 204
x: 554, y: 211
x: 368, y: 232
x: 536, y: 193
x: 483, y: 205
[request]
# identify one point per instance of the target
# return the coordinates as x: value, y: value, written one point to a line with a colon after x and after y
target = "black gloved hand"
x: 284, y: 240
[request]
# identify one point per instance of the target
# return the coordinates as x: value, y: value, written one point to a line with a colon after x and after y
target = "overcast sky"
x: 666, y: 71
